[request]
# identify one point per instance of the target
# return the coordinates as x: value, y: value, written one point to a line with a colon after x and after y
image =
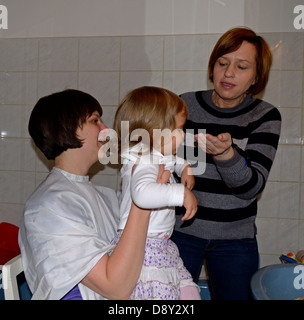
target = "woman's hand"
x: 218, y: 146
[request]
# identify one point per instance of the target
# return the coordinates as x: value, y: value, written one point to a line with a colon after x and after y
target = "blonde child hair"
x: 148, y: 108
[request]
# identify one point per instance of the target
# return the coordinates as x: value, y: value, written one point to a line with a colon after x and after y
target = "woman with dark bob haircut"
x: 68, y: 222
x: 242, y: 135
x: 55, y: 119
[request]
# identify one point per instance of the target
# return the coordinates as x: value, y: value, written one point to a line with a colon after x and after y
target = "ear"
x: 255, y: 80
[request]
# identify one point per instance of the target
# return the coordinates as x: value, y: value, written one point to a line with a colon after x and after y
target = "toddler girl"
x: 154, y: 118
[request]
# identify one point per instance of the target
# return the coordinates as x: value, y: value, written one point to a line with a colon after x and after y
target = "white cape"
x: 67, y: 227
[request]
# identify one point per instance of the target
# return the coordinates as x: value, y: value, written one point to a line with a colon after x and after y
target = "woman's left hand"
x: 218, y: 146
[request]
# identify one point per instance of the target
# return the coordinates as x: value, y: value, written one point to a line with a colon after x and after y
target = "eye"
x: 222, y: 62
x: 96, y: 120
x: 242, y: 67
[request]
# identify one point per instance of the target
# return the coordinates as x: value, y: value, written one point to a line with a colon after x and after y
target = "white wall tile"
x: 14, y: 121
x: 190, y: 17
x: 224, y: 15
x: 11, y: 213
x: 302, y: 162
x: 42, y: 164
x: 292, y: 51
x: 277, y: 236
x: 108, y: 115
x: 18, y: 87
x: 284, y: 88
x: 141, y: 53
x: 185, y: 81
x: 291, y: 126
x: 16, y: 154
x: 104, y: 86
x: 132, y: 80
x: 301, y: 228
x: 268, y: 259
x: 18, y: 54
x: 99, y: 54
x: 186, y: 53
x: 50, y: 82
x: 286, y: 164
x: 280, y: 200
x: 16, y: 186
x: 58, y: 54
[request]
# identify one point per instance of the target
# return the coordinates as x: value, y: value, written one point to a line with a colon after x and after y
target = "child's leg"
x: 190, y: 293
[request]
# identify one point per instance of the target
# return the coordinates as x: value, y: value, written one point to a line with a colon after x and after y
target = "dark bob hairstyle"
x: 231, y: 41
x: 55, y: 119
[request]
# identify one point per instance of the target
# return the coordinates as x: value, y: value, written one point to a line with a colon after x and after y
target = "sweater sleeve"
x: 247, y: 171
x: 148, y: 194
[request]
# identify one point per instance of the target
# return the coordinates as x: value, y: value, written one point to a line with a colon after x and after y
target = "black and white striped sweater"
x: 227, y: 191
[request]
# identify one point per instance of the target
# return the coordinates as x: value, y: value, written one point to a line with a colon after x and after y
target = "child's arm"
x: 190, y: 203
x: 148, y: 194
x: 183, y: 170
x: 187, y: 178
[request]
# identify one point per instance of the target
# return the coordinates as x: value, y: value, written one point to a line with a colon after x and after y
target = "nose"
x: 102, y: 126
x: 229, y: 72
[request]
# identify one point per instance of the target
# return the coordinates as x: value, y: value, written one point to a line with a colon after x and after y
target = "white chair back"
x: 10, y: 271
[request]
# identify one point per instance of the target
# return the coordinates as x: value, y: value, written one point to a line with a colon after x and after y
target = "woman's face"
x: 88, y: 133
x: 233, y: 74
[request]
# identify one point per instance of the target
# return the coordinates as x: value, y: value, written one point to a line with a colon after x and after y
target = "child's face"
x: 175, y: 139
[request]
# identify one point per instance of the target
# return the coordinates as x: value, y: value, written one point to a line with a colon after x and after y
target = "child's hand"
x: 163, y: 175
x: 187, y: 178
x: 190, y: 203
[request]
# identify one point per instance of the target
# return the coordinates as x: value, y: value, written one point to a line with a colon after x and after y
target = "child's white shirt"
x: 142, y: 188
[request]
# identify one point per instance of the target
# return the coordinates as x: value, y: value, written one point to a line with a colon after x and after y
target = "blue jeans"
x: 230, y: 263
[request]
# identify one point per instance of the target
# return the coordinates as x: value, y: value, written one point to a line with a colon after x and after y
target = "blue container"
x: 205, y: 292
x: 278, y: 282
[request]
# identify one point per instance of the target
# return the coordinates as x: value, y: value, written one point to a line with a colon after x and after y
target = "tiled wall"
x: 108, y: 67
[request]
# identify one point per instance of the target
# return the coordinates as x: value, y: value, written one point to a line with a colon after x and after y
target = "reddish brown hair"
x: 231, y: 41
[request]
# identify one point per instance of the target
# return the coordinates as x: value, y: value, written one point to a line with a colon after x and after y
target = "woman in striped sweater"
x: 242, y: 135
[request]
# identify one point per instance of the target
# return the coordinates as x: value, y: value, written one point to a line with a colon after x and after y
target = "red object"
x: 9, y: 247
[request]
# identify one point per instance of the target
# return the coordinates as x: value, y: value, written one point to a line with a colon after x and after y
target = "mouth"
x: 227, y: 85
x: 103, y: 136
x: 101, y: 141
